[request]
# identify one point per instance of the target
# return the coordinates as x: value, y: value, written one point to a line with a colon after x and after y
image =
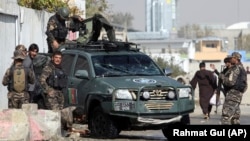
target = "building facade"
x: 161, y: 15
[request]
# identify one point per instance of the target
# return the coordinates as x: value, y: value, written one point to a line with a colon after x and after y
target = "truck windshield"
x: 124, y: 65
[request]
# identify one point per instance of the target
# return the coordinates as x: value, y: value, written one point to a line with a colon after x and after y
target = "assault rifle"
x: 219, y: 89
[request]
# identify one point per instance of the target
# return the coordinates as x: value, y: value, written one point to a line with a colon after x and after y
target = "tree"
x: 245, y: 42
x: 96, y: 6
x: 165, y: 64
x: 92, y: 6
x: 194, y: 31
x: 124, y: 19
x: 47, y: 5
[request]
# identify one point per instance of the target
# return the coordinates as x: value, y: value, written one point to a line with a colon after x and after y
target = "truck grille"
x: 159, y: 106
x: 156, y: 93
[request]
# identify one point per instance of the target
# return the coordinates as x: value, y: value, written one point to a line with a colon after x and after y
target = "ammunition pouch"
x: 60, y: 33
x: 58, y: 79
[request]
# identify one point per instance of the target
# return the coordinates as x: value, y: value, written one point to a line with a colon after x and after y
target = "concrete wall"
x: 19, y: 25
x: 30, y: 124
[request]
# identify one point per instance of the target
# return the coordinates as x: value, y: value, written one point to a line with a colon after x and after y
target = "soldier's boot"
x: 225, y: 121
x: 235, y: 122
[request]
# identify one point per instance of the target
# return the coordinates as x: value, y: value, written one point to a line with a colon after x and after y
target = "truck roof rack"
x: 102, y: 45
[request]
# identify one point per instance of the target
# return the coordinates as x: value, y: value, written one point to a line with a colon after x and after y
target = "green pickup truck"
x: 121, y: 88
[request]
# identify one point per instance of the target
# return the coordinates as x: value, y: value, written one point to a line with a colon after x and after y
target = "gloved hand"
x: 51, y: 92
x: 222, y: 76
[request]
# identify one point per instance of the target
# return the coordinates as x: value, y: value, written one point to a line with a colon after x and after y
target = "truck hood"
x: 139, y: 81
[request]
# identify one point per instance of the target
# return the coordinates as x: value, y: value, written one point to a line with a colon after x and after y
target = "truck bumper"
x: 158, y: 121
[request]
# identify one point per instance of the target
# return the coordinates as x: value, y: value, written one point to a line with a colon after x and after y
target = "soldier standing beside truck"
x: 53, y: 80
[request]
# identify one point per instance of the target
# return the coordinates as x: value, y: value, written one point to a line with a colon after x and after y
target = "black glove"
x: 222, y: 76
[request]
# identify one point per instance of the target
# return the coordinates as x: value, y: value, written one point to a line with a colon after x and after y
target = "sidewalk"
x: 197, y: 116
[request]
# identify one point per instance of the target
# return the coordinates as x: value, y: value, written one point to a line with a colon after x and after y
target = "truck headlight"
x: 146, y: 95
x: 123, y: 94
x: 184, y: 92
x: 171, y: 94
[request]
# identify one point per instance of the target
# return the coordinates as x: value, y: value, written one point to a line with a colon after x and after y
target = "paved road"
x: 197, y: 116
x: 196, y: 119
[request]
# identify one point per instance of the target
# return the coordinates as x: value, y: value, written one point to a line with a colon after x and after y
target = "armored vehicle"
x: 121, y: 88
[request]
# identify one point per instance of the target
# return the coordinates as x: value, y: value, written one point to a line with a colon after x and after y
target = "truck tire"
x: 185, y: 120
x: 101, y: 125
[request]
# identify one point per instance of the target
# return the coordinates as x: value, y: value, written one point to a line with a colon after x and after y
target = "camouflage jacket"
x: 56, y: 28
x: 50, y: 80
x: 7, y: 77
x: 231, y: 76
x: 46, y: 72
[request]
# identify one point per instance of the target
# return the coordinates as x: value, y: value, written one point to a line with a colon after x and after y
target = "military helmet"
x: 236, y: 55
x: 18, y: 54
x: 63, y: 12
x: 21, y: 48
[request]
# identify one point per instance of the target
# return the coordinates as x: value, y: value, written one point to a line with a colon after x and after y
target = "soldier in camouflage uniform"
x: 57, y: 30
x: 53, y: 80
x: 16, y: 99
x: 233, y: 79
x: 71, y: 115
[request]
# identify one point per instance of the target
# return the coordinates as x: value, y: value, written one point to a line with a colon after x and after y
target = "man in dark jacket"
x: 227, y: 66
x: 207, y: 85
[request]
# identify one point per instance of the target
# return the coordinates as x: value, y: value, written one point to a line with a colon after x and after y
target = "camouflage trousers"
x: 231, y: 108
x: 55, y: 101
x: 15, y: 100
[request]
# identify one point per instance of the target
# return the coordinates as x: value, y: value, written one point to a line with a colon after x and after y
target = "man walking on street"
x: 207, y: 86
x: 236, y: 79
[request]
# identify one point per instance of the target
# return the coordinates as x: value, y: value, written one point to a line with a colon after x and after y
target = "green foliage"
x: 92, y: 6
x: 164, y: 64
x: 194, y: 31
x: 47, y: 5
x: 244, y: 43
x: 123, y: 19
x: 95, y: 6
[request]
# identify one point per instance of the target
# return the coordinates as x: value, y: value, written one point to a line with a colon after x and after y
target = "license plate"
x: 124, y: 106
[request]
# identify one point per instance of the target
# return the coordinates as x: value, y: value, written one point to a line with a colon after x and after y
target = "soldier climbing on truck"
x: 86, y: 35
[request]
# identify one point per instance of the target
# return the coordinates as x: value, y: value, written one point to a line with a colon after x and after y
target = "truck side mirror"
x: 82, y: 74
x: 168, y: 71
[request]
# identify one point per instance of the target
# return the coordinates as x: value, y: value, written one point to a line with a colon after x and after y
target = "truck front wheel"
x: 101, y: 125
x: 185, y: 120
